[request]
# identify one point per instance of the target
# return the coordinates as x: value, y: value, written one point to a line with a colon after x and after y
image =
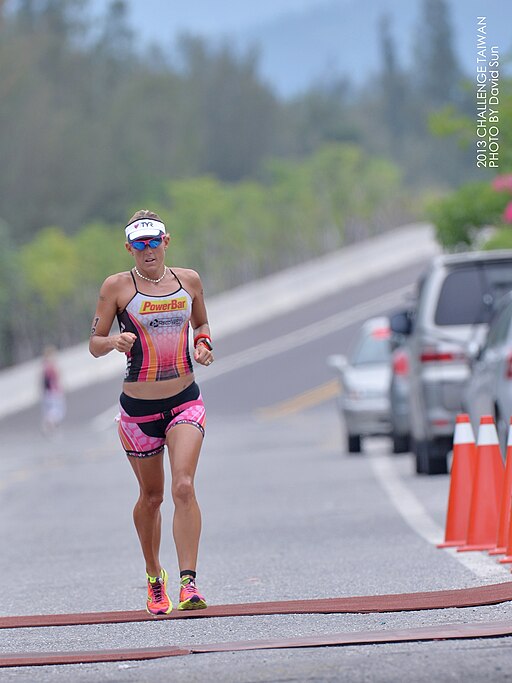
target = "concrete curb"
x: 241, y: 307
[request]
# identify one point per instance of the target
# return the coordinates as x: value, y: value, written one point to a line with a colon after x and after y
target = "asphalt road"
x: 287, y: 514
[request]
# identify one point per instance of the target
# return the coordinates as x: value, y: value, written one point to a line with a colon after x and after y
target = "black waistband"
x: 138, y: 407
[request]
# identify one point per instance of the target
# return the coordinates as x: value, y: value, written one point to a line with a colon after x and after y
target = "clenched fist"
x: 123, y: 342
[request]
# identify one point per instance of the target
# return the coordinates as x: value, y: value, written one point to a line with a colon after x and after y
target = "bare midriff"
x: 162, y: 389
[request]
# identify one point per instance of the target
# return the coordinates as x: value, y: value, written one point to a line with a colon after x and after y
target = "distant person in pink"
x: 53, y: 400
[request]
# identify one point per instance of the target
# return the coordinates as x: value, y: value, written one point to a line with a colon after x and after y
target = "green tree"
x: 50, y: 263
x: 436, y: 69
x: 236, y: 115
x: 9, y: 301
x: 459, y: 216
x: 100, y: 251
x: 452, y: 122
x: 49, y: 276
x: 319, y: 116
x: 393, y: 87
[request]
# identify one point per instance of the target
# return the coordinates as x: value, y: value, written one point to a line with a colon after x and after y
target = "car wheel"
x: 418, y: 448
x: 431, y: 456
x: 401, y: 443
x: 354, y: 443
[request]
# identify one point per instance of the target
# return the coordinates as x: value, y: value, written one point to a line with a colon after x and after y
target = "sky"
x: 211, y: 16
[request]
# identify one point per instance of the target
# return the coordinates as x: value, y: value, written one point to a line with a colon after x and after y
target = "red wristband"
x: 203, y: 339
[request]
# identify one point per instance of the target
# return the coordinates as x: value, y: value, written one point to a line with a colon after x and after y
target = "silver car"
x: 455, y: 301
x: 364, y: 379
x: 489, y: 387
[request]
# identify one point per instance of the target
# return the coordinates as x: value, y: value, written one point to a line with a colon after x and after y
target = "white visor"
x: 145, y: 227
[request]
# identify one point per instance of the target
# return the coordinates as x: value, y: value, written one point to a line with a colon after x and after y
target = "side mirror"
x: 401, y: 323
x: 474, y: 351
x: 338, y: 362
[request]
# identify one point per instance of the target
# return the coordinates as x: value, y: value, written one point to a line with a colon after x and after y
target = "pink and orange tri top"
x: 161, y: 324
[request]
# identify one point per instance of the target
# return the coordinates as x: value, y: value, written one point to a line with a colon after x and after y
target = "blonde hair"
x: 144, y: 213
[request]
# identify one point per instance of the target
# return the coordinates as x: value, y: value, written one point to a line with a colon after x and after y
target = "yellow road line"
x: 296, y: 404
x: 14, y: 477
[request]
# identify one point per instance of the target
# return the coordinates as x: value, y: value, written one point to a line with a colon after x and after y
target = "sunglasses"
x: 152, y: 242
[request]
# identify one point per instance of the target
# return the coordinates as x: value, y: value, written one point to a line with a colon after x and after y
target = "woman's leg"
x: 184, y: 443
x: 146, y: 513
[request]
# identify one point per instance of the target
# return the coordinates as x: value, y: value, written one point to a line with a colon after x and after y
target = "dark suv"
x: 455, y: 301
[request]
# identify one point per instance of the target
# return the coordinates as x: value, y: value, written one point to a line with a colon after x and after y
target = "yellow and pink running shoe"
x: 190, y: 597
x: 158, y: 601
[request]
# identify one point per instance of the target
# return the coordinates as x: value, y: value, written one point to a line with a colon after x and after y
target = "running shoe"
x: 158, y: 601
x: 190, y: 597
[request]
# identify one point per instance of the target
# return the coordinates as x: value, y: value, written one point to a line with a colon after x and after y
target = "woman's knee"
x: 151, y: 499
x: 183, y: 490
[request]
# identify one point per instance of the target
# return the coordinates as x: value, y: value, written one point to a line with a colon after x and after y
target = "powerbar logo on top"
x: 163, y: 306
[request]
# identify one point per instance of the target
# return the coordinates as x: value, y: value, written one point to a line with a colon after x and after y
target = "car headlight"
x: 358, y: 394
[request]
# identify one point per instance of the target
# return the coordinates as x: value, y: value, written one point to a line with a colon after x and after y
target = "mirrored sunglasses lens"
x: 142, y: 244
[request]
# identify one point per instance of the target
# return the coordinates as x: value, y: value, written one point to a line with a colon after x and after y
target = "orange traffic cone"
x: 461, y: 483
x: 508, y: 549
x: 487, y: 489
x: 502, y: 541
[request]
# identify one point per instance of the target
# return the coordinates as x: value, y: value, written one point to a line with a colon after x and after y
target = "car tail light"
x: 400, y: 363
x: 431, y: 354
x: 508, y: 373
x: 381, y: 333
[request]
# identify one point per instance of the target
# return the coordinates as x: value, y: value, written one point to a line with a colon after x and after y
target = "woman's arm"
x: 101, y: 342
x: 199, y: 320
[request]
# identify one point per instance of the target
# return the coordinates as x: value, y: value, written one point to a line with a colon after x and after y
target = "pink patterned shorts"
x: 144, y: 424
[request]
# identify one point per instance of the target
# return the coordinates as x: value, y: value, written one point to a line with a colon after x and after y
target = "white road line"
x: 413, y: 512
x: 304, y: 335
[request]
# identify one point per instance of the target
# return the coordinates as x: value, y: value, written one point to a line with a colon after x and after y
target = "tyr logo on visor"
x: 144, y: 229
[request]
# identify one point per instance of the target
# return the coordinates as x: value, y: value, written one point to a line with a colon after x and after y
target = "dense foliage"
x: 230, y: 233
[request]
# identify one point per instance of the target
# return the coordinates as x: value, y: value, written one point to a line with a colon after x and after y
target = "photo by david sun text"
x: 487, y: 99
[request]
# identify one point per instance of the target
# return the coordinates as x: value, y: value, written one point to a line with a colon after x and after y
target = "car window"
x: 499, y: 278
x: 374, y: 347
x: 467, y: 295
x: 498, y: 330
